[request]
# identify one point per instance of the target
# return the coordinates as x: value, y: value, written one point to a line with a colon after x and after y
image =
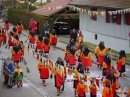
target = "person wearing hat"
x: 107, y: 90
x: 82, y: 88
x: 100, y: 52
x: 19, y: 28
x: 18, y: 76
x: 46, y: 27
x: 43, y: 67
x: 121, y: 63
x: 59, y: 75
x: 8, y: 77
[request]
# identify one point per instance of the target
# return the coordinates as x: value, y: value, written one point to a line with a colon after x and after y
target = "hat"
x: 59, y: 58
x: 8, y: 60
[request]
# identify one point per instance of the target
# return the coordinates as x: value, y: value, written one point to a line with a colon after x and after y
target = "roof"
x: 54, y: 4
x: 119, y: 4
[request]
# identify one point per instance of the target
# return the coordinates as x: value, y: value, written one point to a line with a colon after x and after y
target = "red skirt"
x: 109, y: 95
x: 119, y: 64
x: 46, y: 48
x: 114, y: 90
x: 39, y: 45
x: 58, y: 80
x: 100, y: 59
x: 32, y: 40
x: 54, y: 41
x: 86, y: 62
x: 44, y: 73
x: 22, y: 54
x: 66, y: 58
x: 81, y: 93
x: 10, y: 42
x: 72, y: 60
x: 16, y: 57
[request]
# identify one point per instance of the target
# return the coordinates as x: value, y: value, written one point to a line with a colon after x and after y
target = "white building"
x: 113, y: 29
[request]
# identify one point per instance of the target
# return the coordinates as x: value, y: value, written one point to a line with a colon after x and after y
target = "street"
x: 33, y: 86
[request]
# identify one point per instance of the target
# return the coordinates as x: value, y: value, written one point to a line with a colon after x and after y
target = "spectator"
x: 73, y: 35
x: 46, y: 27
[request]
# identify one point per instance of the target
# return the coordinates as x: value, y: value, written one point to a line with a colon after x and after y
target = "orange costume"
x: 32, y: 39
x: 54, y: 40
x: 93, y: 90
x: 80, y: 39
x: 40, y: 44
x: 1, y: 40
x: 46, y: 46
x: 82, y: 88
x: 19, y: 27
x: 7, y: 25
x: 66, y: 51
x: 100, y: 52
x: 14, y: 31
x: 107, y: 92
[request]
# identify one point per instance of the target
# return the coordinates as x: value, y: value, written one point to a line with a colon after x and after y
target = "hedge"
x: 15, y: 15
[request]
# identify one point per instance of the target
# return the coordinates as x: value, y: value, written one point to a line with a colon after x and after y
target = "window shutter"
x: 118, y: 18
x: 94, y: 17
x: 128, y: 18
x: 107, y: 16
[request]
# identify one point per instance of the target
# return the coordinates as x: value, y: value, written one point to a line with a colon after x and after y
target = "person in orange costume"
x: 87, y: 59
x: 6, y: 25
x: 100, y: 52
x: 66, y: 51
x: 22, y: 50
x: 31, y: 23
x: 128, y: 94
x: 82, y: 88
x: 16, y: 40
x: 43, y: 67
x: 121, y: 63
x: 78, y: 70
x: 19, y: 28
x: 54, y: 40
x: 32, y: 39
x: 10, y: 39
x: 46, y: 47
x: 14, y: 30
x: 1, y: 39
x: 107, y: 90
x: 59, y: 78
x: 39, y: 44
x: 80, y: 51
x: 114, y: 84
x: 80, y: 39
x: 16, y: 53
x: 107, y: 65
x: 4, y: 36
x: 93, y: 89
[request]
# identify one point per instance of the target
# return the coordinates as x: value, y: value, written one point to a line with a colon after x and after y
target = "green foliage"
x: 16, y: 15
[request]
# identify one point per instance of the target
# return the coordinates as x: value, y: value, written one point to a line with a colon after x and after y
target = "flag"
x: 97, y: 82
x: 122, y: 91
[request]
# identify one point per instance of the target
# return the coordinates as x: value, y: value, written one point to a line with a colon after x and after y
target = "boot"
x: 120, y: 75
x: 124, y: 76
x: 98, y: 67
x: 85, y: 70
x: 88, y: 70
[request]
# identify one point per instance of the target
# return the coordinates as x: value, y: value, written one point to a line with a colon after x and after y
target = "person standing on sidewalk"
x: 121, y: 63
x: 100, y: 52
x: 73, y: 35
x: 46, y: 27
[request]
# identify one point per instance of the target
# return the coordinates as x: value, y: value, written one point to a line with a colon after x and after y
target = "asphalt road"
x: 33, y: 85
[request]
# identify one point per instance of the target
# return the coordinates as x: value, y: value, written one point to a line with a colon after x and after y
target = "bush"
x: 15, y: 15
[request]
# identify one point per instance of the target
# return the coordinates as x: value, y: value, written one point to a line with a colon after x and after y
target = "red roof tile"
x: 102, y: 3
x: 54, y: 3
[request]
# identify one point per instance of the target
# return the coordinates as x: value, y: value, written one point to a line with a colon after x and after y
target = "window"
x: 95, y: 36
x: 94, y: 16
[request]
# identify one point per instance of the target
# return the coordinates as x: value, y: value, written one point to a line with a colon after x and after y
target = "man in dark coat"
x: 73, y: 35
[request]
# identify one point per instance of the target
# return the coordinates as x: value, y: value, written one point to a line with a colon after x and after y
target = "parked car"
x: 61, y: 28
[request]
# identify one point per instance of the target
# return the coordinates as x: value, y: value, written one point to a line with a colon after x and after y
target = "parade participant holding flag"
x: 82, y: 88
x: 87, y: 59
x: 100, y: 52
x: 43, y: 67
x: 107, y: 65
x: 58, y: 72
x: 19, y: 28
x: 18, y: 76
x: 121, y: 63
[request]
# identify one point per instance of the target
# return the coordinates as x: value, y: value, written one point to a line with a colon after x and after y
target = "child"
x: 4, y: 36
x: 16, y: 40
x: 29, y: 30
x: 19, y: 28
x: 32, y: 39
x: 46, y: 47
x: 93, y: 89
x: 80, y: 39
x: 44, y: 67
x: 10, y: 39
x: 22, y: 50
x: 6, y: 25
x: 87, y: 59
x: 1, y: 39
x: 14, y: 30
x: 19, y: 76
x: 54, y: 40
x: 121, y: 63
x: 82, y: 89
x: 128, y: 94
x: 80, y: 50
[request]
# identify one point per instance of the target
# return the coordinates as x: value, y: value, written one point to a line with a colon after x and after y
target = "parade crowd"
x: 48, y: 69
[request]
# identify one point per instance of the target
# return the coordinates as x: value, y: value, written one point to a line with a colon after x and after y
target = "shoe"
x: 98, y: 68
x: 44, y: 84
x: 18, y: 86
x: 58, y: 94
x: 125, y: 77
x: 21, y: 85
